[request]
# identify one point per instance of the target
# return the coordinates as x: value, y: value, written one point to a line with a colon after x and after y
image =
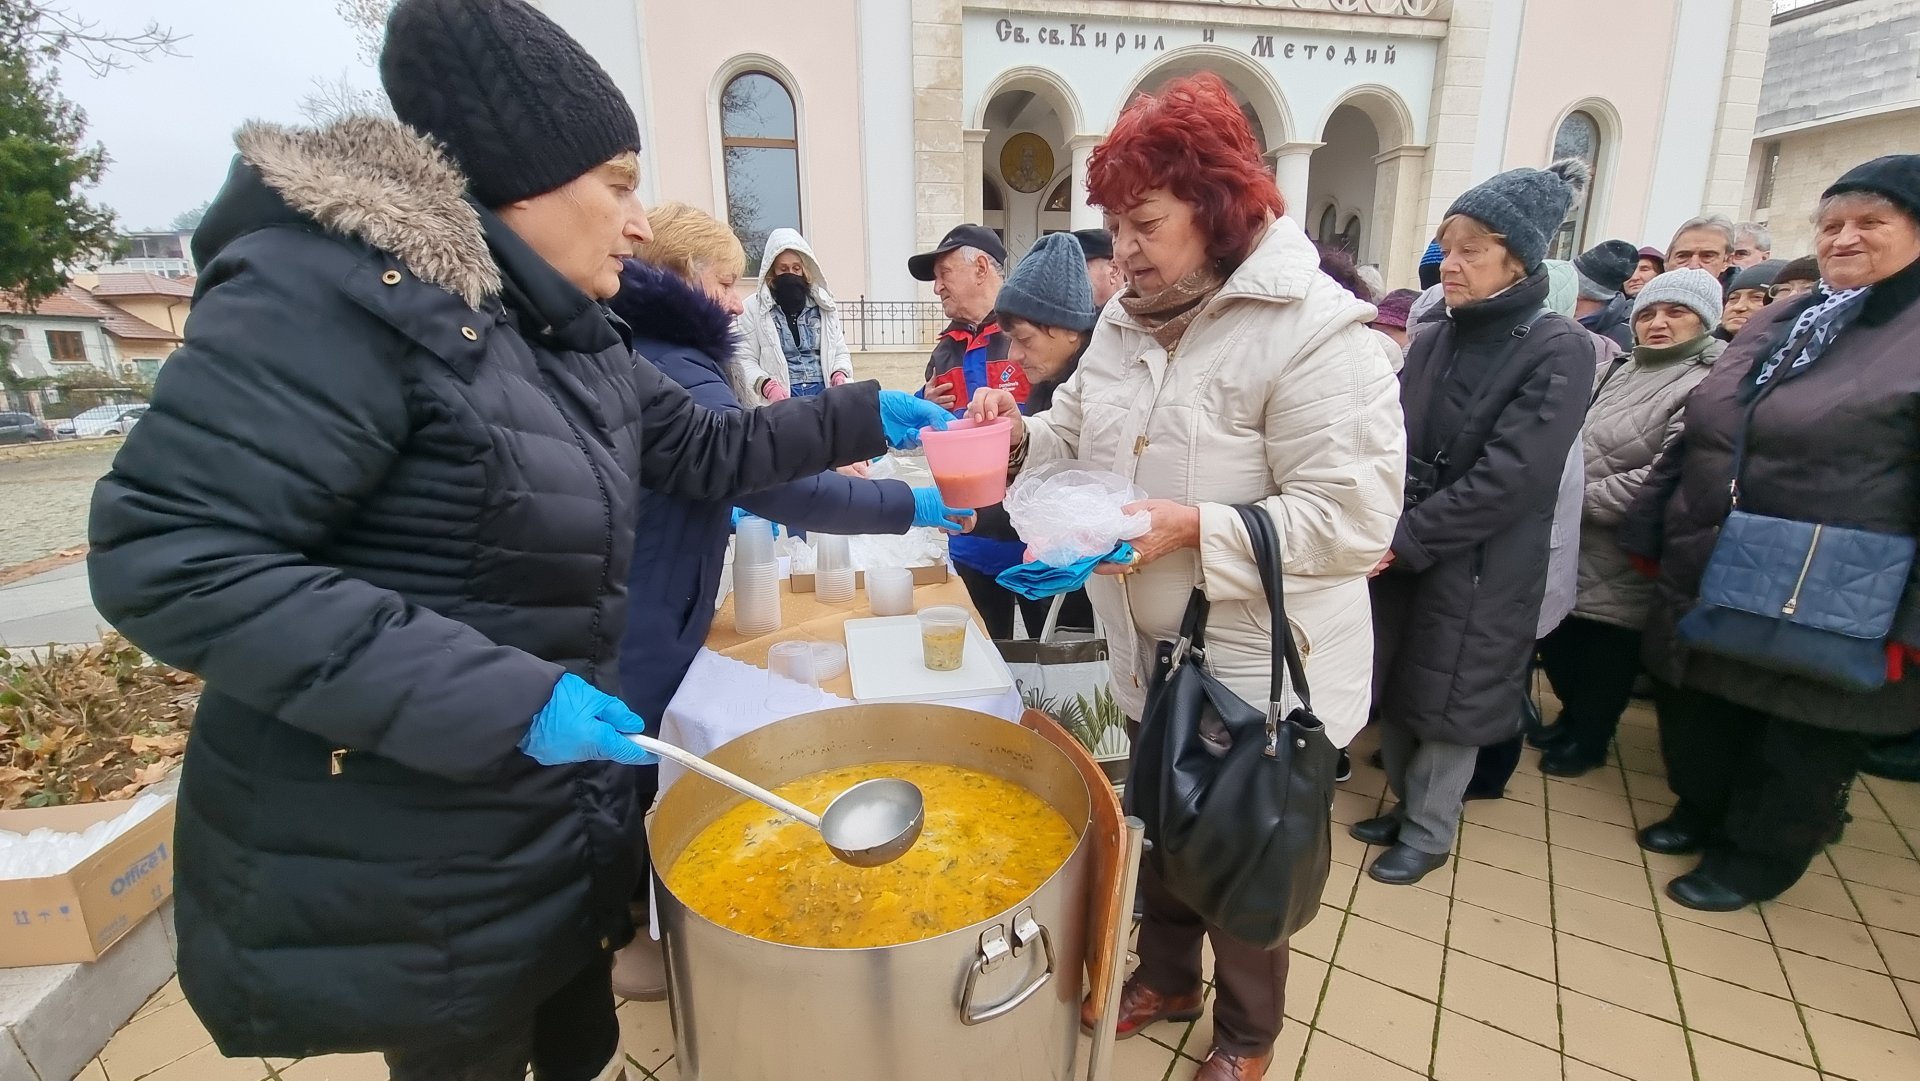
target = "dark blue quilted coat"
x: 680, y: 549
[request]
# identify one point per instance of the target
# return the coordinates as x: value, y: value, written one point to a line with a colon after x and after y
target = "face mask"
x: 790, y: 292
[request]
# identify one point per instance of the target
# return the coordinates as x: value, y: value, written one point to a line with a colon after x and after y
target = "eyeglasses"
x: 1789, y: 289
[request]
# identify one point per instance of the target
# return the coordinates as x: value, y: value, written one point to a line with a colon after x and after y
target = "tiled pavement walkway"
x: 1546, y: 950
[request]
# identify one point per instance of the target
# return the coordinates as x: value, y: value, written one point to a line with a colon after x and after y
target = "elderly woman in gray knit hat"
x: 1593, y: 657
x: 1493, y: 395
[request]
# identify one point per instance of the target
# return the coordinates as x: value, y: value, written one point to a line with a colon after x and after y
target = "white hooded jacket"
x: 1279, y: 395
x: 760, y: 357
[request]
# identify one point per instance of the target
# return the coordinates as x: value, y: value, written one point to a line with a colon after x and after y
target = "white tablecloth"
x: 722, y: 699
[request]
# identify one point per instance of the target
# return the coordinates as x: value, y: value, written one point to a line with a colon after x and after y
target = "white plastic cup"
x: 834, y: 586
x: 943, y: 637
x: 890, y: 591
x: 756, y: 598
x: 753, y: 541
x: 792, y: 685
x: 833, y: 553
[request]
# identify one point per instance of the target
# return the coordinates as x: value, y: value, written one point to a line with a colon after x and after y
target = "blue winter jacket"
x: 680, y: 549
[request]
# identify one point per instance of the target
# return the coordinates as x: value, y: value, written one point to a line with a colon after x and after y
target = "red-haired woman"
x: 1232, y: 371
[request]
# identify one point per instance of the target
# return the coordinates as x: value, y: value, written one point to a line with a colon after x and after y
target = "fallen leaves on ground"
x: 90, y: 723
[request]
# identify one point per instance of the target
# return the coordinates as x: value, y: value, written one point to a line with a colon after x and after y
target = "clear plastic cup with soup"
x: 943, y: 637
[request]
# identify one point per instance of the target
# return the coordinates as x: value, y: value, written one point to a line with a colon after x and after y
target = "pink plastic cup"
x: 969, y: 461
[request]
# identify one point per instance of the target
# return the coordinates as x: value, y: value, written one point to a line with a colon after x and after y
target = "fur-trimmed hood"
x: 370, y: 179
x: 662, y: 306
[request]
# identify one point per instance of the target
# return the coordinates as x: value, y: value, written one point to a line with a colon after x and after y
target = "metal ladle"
x: 872, y: 823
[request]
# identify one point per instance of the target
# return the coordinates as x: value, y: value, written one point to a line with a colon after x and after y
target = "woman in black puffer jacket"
x: 383, y: 505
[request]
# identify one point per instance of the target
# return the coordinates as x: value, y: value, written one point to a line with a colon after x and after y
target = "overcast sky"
x: 168, y: 124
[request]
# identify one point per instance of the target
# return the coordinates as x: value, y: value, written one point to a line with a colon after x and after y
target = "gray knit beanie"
x: 1605, y: 268
x: 1688, y: 287
x: 1526, y: 206
x: 1049, y: 287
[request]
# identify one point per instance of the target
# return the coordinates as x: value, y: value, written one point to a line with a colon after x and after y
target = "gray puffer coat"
x: 1637, y: 412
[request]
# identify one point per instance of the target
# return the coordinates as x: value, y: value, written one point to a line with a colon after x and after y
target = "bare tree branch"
x: 368, y: 20
x: 50, y: 27
x: 338, y: 98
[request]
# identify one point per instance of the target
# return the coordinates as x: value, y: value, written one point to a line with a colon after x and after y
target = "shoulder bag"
x: 1237, y: 798
x: 1817, y: 601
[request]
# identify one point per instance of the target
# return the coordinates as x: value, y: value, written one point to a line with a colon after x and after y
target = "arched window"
x: 760, y: 141
x: 1061, y: 201
x: 1350, y: 237
x: 1578, y: 137
x: 1329, y: 226
x: 993, y: 209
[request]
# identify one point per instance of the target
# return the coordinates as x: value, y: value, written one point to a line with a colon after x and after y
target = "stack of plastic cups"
x: 833, y: 577
x: 756, y: 578
x: 890, y: 591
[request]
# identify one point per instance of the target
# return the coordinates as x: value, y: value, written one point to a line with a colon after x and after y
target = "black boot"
x: 1673, y: 836
x: 1701, y: 891
x: 1384, y: 830
x: 1551, y: 736
x: 1404, y: 865
x: 1568, y: 759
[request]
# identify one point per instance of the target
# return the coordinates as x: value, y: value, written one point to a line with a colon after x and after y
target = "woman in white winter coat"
x: 1231, y: 371
x: 791, y: 344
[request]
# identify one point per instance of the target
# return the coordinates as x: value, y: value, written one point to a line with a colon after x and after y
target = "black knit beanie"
x: 1896, y: 176
x: 520, y: 106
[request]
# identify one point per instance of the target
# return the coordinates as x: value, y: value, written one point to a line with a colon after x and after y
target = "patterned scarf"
x: 1813, y: 332
x: 1168, y: 313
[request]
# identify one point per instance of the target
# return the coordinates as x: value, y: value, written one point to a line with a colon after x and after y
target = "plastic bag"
x: 1066, y: 512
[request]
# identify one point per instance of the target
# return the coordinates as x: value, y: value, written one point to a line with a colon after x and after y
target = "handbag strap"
x: 1486, y: 399
x: 1286, y: 659
x: 1740, y: 440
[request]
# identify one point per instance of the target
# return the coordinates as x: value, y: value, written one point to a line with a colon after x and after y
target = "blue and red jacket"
x: 977, y: 352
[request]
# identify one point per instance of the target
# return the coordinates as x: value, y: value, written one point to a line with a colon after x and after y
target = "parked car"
x: 101, y: 420
x: 23, y: 428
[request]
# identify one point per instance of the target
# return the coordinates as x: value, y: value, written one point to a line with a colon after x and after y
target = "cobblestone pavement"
x: 43, y: 500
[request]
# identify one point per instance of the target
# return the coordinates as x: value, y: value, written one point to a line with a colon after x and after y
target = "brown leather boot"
x: 1142, y: 1007
x: 1222, y: 1066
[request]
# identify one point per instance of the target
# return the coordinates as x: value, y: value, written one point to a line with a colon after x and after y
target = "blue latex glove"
x: 903, y: 415
x: 582, y: 723
x: 929, y: 510
x: 740, y: 515
x: 1037, y: 581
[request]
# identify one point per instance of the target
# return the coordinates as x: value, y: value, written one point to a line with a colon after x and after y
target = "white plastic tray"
x: 884, y: 655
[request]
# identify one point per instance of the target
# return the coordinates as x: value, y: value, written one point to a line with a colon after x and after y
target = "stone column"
x: 974, y: 174
x: 940, y: 150
x: 1083, y: 215
x: 1291, y: 164
x: 1396, y: 203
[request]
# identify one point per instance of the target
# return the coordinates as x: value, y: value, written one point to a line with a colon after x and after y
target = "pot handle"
x: 994, y: 949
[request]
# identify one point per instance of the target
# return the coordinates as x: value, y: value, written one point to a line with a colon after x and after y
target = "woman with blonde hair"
x: 678, y: 297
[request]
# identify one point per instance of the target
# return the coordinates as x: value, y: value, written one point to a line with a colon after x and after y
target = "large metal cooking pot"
x: 999, y: 999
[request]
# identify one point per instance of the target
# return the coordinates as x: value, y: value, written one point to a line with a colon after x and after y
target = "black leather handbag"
x: 1237, y: 798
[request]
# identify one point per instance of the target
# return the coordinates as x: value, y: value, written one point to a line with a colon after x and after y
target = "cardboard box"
x: 77, y: 916
x: 930, y: 575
